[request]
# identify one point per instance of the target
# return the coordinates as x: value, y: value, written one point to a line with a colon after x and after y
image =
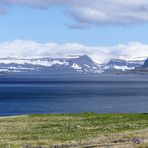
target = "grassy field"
x: 79, y: 130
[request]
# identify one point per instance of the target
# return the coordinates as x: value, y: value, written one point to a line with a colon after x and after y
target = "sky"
x: 98, y: 26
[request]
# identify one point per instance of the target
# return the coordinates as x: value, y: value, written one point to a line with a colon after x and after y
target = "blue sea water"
x: 37, y: 94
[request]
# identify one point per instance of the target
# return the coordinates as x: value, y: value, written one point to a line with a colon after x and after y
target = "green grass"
x: 46, y: 130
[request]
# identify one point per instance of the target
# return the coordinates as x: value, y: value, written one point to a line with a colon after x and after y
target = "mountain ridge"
x: 70, y: 64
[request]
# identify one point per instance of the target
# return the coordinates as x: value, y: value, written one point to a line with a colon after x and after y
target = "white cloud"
x: 92, y: 12
x: 27, y: 49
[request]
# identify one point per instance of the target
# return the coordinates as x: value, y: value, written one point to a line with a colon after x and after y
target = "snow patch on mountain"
x: 33, y: 62
x: 123, y: 68
x: 76, y: 66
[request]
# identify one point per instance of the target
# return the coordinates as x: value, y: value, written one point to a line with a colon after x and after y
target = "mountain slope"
x: 75, y: 64
x: 119, y: 65
x: 72, y: 64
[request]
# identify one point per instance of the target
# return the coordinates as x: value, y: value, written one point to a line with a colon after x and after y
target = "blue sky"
x: 102, y: 29
x: 52, y: 25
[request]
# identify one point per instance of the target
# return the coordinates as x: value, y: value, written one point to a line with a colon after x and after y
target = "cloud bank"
x: 91, y: 12
x: 31, y: 49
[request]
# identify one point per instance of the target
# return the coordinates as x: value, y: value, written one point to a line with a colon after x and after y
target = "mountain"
x: 69, y: 65
x: 143, y: 69
x: 73, y: 64
x: 119, y: 65
x: 145, y: 65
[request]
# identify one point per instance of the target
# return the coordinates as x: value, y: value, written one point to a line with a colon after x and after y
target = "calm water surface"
x: 33, y: 94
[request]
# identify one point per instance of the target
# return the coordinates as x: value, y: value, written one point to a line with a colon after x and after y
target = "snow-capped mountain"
x: 122, y: 65
x: 71, y: 64
x: 143, y: 69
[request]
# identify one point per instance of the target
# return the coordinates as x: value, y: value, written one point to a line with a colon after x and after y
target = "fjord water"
x: 44, y: 93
